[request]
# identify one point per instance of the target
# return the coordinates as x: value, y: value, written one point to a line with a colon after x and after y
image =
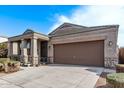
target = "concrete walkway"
x: 52, y: 76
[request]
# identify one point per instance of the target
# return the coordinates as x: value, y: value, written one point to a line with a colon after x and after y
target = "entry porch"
x: 28, y: 48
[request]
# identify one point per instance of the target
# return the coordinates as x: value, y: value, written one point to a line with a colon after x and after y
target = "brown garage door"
x: 84, y: 53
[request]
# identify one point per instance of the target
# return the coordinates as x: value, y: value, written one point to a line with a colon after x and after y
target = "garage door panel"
x: 84, y: 53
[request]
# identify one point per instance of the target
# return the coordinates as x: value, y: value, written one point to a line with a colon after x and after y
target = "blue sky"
x: 15, y: 20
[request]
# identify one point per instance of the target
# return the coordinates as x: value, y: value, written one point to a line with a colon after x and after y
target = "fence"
x: 121, y: 55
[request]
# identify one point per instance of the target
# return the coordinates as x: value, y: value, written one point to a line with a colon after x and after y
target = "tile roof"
x: 68, y: 28
x: 29, y: 31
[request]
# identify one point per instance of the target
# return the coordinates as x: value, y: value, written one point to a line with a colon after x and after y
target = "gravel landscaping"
x: 101, y: 82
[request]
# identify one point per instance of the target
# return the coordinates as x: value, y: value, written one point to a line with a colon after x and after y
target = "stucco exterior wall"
x: 15, y: 48
x: 108, y: 35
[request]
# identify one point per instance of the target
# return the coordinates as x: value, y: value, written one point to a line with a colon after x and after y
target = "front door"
x: 44, y: 51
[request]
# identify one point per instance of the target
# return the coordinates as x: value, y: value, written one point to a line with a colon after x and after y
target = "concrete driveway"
x: 52, y: 76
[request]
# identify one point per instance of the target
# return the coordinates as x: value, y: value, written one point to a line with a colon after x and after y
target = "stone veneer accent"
x: 110, y: 62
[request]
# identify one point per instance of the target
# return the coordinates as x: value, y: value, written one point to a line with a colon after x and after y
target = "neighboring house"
x: 3, y: 39
x: 68, y: 44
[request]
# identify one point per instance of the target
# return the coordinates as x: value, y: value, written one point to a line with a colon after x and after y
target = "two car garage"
x: 89, y: 53
x: 82, y: 45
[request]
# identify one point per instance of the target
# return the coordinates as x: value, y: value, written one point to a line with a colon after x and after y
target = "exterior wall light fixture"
x: 110, y: 43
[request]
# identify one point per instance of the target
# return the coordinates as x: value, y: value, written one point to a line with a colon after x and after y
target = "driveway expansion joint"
x: 11, y: 82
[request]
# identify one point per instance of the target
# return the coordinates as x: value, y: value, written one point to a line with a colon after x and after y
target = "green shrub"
x: 3, y: 60
x: 12, y: 63
x: 15, y: 58
x: 9, y: 65
x: 116, y: 80
x: 7, y: 60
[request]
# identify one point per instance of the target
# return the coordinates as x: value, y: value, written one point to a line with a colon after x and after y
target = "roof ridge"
x: 104, y: 26
x: 66, y: 23
x: 92, y: 28
x: 74, y: 24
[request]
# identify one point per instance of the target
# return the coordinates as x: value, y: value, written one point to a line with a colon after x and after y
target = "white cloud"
x: 60, y: 20
x: 96, y: 15
x: 2, y: 39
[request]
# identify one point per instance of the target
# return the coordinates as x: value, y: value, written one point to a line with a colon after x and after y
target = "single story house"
x: 68, y: 44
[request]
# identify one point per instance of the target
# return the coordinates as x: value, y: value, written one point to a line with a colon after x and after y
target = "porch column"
x: 34, y: 52
x: 9, y: 48
x: 24, y: 52
x: 15, y: 48
x: 39, y: 50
